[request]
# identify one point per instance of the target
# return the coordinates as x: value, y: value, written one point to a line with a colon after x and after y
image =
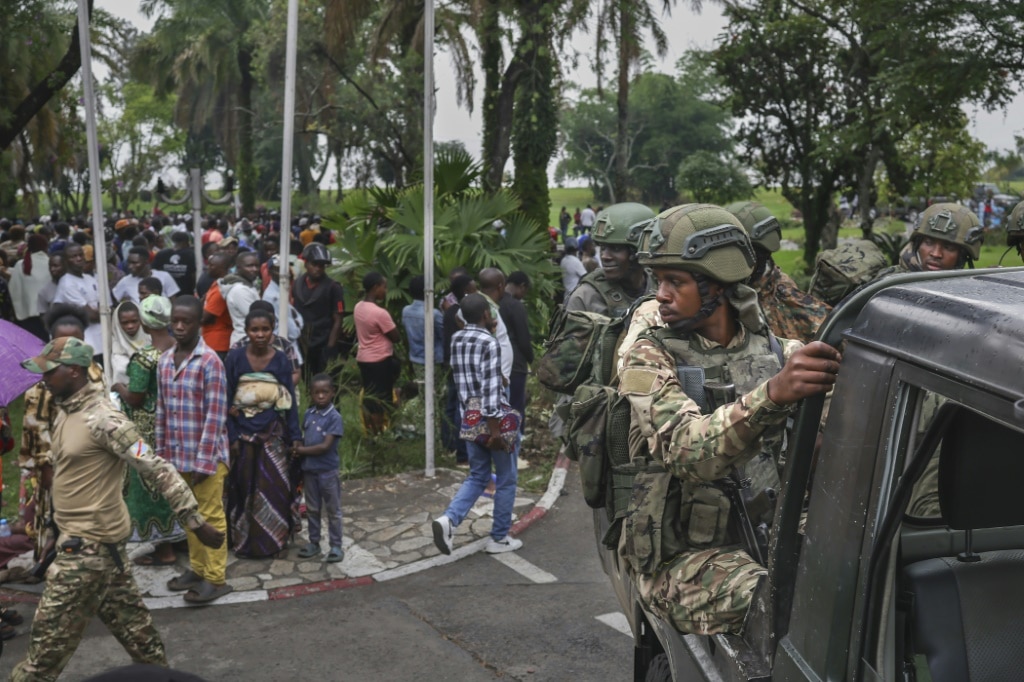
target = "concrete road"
x: 531, y: 615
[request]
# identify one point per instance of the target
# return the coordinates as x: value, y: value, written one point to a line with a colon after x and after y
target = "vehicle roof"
x: 967, y: 324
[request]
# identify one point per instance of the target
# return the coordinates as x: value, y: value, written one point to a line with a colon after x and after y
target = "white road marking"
x: 617, y: 620
x: 432, y: 561
x: 525, y: 568
x: 241, y: 597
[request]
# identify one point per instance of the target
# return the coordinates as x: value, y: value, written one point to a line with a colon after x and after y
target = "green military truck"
x: 897, y: 548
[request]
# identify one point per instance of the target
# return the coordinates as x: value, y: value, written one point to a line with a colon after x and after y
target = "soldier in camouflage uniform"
x: 613, y: 287
x: 693, y: 571
x: 1015, y: 230
x: 91, y: 444
x: 946, y: 237
x: 792, y: 314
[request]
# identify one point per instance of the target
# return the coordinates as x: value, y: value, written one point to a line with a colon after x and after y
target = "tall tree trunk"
x: 247, y: 176
x: 626, y: 48
x: 490, y: 56
x: 865, y: 187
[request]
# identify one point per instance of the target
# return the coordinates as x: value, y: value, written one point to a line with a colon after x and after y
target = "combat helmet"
x: 763, y: 228
x: 951, y: 223
x: 698, y: 238
x: 621, y: 224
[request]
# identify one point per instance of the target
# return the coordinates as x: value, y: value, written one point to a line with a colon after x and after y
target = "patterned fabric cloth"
x: 476, y: 366
x: 791, y: 313
x: 192, y: 411
x: 151, y: 516
x: 262, y: 495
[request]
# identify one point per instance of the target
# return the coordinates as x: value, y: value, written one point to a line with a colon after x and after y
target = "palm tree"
x: 203, y: 51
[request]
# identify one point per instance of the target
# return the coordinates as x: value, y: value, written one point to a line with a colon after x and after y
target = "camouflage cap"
x: 1015, y: 226
x: 621, y: 223
x: 699, y: 238
x: 763, y: 228
x: 66, y: 350
x: 951, y: 223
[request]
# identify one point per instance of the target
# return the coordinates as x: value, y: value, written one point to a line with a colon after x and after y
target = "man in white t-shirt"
x: 139, y: 269
x: 587, y: 219
x: 572, y: 266
x: 77, y: 288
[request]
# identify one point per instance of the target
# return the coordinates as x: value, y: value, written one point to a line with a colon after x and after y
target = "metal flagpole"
x: 98, y: 232
x: 286, y: 165
x: 195, y: 181
x: 428, y: 232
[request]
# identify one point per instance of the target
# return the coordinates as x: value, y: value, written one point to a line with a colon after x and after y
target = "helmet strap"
x: 708, y: 305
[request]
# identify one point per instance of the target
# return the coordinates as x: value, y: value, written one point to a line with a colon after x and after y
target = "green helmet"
x: 1015, y: 226
x: 763, y: 228
x: 621, y: 224
x: 698, y: 238
x: 951, y: 223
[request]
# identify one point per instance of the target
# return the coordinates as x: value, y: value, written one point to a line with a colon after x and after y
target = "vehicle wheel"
x: 659, y: 670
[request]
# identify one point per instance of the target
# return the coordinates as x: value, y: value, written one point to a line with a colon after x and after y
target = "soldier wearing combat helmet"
x: 610, y: 289
x: 791, y: 313
x: 710, y: 391
x: 1015, y: 230
x: 946, y: 237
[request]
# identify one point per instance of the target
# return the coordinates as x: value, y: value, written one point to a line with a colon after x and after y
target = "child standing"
x: 322, y: 427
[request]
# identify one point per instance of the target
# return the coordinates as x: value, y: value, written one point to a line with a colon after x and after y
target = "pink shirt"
x: 372, y: 323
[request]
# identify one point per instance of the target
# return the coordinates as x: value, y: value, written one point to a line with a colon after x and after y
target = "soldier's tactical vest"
x: 665, y: 515
x: 615, y: 298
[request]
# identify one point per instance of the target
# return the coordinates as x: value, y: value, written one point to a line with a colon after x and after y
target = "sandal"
x: 336, y: 555
x: 11, y: 617
x: 7, y: 632
x: 206, y: 592
x: 309, y: 550
x: 154, y: 560
x: 185, y: 581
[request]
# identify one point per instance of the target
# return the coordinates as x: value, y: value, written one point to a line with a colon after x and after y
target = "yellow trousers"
x: 208, y: 563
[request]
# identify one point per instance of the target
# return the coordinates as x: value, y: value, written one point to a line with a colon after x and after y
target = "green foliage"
x: 671, y: 118
x: 382, y: 230
x: 710, y: 180
x: 941, y: 160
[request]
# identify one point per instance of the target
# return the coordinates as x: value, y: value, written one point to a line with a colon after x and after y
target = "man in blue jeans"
x: 476, y: 369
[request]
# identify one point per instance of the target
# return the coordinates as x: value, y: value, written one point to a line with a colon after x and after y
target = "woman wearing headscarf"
x: 28, y: 278
x: 151, y: 516
x: 129, y: 338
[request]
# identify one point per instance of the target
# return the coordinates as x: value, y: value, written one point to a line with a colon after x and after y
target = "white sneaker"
x: 506, y: 544
x: 444, y: 533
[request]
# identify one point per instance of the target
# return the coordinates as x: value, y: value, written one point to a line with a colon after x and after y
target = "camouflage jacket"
x: 39, y: 415
x: 92, y: 443
x: 595, y: 294
x: 791, y: 313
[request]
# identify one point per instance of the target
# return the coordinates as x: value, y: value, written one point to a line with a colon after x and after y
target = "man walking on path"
x: 91, y: 575
x: 191, y: 433
x: 477, y: 373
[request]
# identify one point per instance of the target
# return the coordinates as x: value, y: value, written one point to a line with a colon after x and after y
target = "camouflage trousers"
x: 78, y: 587
x: 706, y: 592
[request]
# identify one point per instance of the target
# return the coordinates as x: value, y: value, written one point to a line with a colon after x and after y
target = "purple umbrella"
x: 16, y: 345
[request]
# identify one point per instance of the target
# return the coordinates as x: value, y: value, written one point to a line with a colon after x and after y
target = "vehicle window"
x: 924, y: 503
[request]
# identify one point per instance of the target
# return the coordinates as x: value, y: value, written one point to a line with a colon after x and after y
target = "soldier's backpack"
x: 839, y: 271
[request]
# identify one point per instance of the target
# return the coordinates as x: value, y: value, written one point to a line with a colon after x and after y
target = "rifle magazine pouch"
x: 642, y: 524
x: 708, y: 524
x: 588, y: 417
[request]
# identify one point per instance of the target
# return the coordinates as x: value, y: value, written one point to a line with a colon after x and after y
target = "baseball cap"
x: 66, y: 350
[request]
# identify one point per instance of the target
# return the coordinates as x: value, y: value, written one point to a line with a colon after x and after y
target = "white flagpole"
x: 428, y: 232
x: 291, y: 45
x: 98, y: 232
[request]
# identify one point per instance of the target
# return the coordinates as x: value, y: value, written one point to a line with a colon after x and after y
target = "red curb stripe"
x: 314, y: 588
x: 537, y: 513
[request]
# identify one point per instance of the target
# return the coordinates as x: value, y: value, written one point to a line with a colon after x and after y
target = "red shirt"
x: 218, y: 334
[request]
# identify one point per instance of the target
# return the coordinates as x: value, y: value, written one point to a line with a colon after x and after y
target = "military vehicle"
x: 859, y: 589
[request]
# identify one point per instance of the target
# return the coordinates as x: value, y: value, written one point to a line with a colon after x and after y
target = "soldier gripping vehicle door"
x: 710, y: 392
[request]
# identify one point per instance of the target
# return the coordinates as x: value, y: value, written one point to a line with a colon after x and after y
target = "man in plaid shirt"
x: 476, y: 368
x: 191, y: 432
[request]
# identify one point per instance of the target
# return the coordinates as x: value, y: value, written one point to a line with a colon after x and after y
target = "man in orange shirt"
x: 217, y: 325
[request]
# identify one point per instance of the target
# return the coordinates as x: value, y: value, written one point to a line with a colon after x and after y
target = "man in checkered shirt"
x: 191, y: 432
x: 476, y: 368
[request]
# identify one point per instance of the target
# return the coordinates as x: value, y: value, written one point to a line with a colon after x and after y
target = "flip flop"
x: 152, y: 560
x: 335, y: 555
x: 7, y: 632
x: 206, y: 592
x: 185, y: 581
x: 11, y: 617
x: 309, y: 550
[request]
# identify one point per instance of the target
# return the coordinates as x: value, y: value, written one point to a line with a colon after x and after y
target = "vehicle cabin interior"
x: 958, y: 576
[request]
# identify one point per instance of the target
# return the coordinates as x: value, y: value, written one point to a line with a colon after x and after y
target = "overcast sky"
x: 686, y: 31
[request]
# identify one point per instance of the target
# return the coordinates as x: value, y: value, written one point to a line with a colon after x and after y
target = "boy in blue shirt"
x: 322, y: 427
